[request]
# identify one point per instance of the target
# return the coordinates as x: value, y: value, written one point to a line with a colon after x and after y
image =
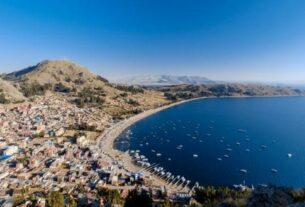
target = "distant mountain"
x: 231, y: 89
x: 164, y: 80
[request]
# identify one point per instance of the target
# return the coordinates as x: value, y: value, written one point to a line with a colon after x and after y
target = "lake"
x: 226, y: 141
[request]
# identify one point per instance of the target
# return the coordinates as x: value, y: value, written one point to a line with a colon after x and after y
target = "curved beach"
x: 107, y: 138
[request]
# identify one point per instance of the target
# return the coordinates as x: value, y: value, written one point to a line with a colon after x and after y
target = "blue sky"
x: 235, y: 40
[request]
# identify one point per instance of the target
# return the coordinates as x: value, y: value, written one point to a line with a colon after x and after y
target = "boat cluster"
x: 168, y: 177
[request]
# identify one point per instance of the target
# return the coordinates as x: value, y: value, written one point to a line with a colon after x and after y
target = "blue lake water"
x: 255, y: 134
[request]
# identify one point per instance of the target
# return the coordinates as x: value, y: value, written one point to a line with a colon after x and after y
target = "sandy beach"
x: 108, y: 137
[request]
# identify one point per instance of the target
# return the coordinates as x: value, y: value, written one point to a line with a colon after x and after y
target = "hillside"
x: 10, y: 92
x: 59, y: 71
x: 83, y: 88
x: 163, y: 80
x: 194, y: 91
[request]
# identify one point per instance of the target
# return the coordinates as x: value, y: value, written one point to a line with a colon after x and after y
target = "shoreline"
x: 107, y: 138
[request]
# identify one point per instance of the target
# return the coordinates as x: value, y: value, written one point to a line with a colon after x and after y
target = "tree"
x: 56, y: 199
x: 138, y: 198
x: 110, y: 196
x: 3, y: 100
x: 71, y: 202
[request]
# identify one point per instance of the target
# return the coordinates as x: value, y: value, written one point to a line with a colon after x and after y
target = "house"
x: 10, y: 150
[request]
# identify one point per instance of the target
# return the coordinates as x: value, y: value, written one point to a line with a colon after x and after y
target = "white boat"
x: 274, y: 170
x: 243, y: 171
x: 289, y: 155
x: 195, y: 155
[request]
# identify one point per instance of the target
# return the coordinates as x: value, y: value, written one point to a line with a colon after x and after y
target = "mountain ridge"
x: 163, y: 80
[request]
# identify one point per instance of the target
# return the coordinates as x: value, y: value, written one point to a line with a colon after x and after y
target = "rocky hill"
x: 162, y: 80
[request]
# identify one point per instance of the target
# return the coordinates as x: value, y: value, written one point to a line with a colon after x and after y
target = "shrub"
x: 35, y: 89
x: 59, y: 87
x: 3, y: 100
x: 55, y: 199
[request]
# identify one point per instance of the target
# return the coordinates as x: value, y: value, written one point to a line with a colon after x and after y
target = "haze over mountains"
x: 155, y: 80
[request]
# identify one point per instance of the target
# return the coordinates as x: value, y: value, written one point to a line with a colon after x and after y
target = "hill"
x: 83, y: 88
x: 59, y: 71
x: 9, y: 92
x: 194, y: 91
x: 159, y: 80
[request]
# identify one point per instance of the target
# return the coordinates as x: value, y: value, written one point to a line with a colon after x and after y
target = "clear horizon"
x: 254, y: 41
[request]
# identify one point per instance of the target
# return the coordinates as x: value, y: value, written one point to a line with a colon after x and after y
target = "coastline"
x: 107, y: 138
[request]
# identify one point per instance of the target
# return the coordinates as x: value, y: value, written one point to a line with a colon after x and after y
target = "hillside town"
x: 51, y: 145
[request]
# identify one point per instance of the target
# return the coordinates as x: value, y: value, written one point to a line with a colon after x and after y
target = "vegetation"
x: 71, y: 202
x: 83, y: 127
x: 55, y: 199
x: 131, y: 89
x: 59, y: 87
x: 138, y: 198
x: 110, y: 196
x: 35, y: 89
x: 89, y: 97
x: 3, y: 100
x: 211, y: 196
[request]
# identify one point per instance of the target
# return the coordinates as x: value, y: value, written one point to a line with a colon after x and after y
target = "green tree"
x: 111, y: 196
x: 55, y: 199
x: 3, y: 100
x: 71, y: 202
x: 138, y: 198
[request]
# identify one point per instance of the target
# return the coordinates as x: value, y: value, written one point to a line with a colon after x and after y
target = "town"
x: 51, y: 145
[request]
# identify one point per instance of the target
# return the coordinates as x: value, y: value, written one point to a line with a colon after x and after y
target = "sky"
x: 230, y: 40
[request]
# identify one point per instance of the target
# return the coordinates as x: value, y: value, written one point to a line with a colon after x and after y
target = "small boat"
x: 158, y: 154
x: 289, y: 155
x: 226, y: 156
x: 274, y: 170
x: 247, y: 150
x: 237, y: 143
x: 229, y: 149
x: 242, y: 130
x: 195, y: 155
x: 169, y: 159
x: 243, y: 171
x: 219, y: 159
